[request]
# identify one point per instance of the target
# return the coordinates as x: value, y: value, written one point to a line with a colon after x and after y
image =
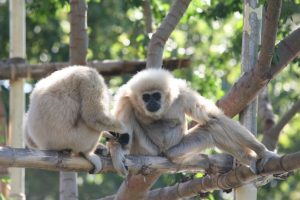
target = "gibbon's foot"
x: 101, y: 150
x: 95, y: 161
x: 257, y: 166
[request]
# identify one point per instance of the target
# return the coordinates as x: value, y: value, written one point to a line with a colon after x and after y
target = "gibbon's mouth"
x: 153, y: 107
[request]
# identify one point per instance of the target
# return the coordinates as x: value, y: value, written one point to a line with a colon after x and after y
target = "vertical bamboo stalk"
x: 77, y: 51
x: 248, y: 117
x: 17, y: 97
x: 4, y: 187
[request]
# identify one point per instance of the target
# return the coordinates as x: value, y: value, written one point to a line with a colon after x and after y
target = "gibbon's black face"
x: 152, y: 101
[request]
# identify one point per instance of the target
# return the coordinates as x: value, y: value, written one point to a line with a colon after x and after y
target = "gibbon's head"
x: 152, y: 91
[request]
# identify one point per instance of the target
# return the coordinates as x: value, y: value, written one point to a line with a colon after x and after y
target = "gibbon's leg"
x: 233, y: 138
x: 227, y: 134
x: 197, y: 140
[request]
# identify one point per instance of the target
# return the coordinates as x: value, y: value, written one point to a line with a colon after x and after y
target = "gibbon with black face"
x: 68, y: 110
x: 153, y: 105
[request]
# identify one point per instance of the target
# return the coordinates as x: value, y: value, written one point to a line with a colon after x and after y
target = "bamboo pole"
x: 17, y: 97
x: 4, y: 186
x: 248, y: 117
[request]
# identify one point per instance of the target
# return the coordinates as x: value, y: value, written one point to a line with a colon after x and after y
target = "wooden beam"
x: 105, y: 67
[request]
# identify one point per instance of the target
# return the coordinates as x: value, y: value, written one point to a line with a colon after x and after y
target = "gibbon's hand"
x: 115, y: 144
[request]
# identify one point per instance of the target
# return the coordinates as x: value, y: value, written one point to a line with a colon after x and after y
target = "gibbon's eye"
x: 156, y: 96
x: 146, y: 97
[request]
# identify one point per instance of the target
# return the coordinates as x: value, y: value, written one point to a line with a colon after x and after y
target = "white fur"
x: 68, y: 110
x: 165, y: 131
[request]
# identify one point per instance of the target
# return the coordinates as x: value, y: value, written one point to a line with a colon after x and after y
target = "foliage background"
x: 210, y: 33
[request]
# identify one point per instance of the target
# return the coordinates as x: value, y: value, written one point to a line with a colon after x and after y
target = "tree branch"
x: 159, y: 38
x: 106, y: 68
x: 265, y: 110
x: 271, y: 19
x: 232, y: 179
x: 147, y: 16
x: 249, y: 85
x: 271, y: 136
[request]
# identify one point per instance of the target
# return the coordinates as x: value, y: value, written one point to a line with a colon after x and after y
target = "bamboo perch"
x: 58, y: 161
x: 106, y: 68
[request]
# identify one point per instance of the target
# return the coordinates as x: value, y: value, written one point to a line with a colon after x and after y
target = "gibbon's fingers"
x: 261, y: 162
x: 108, y: 135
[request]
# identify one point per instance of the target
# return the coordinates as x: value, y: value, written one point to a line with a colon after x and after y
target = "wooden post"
x: 248, y: 117
x: 17, y: 97
x: 77, y: 51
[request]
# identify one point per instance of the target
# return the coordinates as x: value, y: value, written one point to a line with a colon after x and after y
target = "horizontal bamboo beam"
x: 11, y: 70
x: 58, y: 161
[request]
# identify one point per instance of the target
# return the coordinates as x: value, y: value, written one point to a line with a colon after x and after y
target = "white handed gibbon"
x: 153, y: 106
x: 68, y: 110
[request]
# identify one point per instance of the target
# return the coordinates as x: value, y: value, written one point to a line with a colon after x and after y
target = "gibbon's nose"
x: 153, y: 107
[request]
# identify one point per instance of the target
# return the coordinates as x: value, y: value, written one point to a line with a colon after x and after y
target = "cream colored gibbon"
x: 154, y: 104
x: 68, y: 110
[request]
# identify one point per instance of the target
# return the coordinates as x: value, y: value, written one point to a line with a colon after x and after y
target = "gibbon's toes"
x: 95, y: 161
x: 101, y: 150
